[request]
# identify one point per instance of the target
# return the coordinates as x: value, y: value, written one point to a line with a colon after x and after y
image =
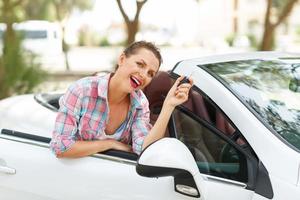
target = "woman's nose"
x: 143, y: 73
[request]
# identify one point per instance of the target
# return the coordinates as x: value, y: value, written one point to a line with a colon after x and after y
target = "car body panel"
x: 39, y: 119
x: 40, y: 175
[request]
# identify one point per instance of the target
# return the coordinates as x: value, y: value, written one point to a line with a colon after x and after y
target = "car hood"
x: 22, y: 113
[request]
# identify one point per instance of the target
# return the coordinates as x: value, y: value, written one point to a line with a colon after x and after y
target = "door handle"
x: 7, y: 170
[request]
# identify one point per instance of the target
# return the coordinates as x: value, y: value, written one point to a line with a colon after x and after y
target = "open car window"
x: 213, y: 154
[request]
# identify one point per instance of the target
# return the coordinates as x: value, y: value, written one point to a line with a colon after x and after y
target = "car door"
x: 228, y: 164
x: 223, y: 157
x: 28, y: 170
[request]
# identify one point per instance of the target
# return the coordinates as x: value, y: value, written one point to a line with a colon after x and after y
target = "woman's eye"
x: 151, y: 75
x: 139, y: 64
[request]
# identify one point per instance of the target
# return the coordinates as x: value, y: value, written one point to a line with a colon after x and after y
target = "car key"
x: 184, y: 80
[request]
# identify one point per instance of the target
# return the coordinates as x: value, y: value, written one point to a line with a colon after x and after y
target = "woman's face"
x: 138, y: 69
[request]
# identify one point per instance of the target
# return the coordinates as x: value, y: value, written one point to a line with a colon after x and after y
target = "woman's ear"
x: 121, y: 59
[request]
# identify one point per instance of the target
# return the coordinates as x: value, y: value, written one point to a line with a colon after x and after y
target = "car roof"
x: 266, y: 55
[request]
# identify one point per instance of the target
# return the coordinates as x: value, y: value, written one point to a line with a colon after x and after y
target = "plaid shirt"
x: 84, y: 112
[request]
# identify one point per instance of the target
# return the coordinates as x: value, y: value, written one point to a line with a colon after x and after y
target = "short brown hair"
x: 134, y: 47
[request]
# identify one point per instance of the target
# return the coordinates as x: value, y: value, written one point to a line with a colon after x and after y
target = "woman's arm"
x: 86, y: 148
x: 177, y: 95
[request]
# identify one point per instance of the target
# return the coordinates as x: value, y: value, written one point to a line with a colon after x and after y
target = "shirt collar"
x: 103, y: 86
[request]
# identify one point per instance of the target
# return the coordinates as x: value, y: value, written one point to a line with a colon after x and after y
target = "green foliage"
x: 253, y: 40
x: 39, y: 10
x: 279, y: 4
x: 230, y: 39
x: 19, y: 72
x: 65, y: 7
x: 104, y: 42
x: 297, y: 31
x: 89, y: 37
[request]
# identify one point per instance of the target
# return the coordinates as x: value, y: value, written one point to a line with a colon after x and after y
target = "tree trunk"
x: 132, y: 25
x: 65, y: 48
x: 8, y: 18
x: 9, y: 39
x: 63, y: 22
x: 268, y: 39
x: 235, y: 16
x: 132, y: 29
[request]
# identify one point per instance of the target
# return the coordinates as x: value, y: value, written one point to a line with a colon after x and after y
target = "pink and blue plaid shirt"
x: 84, y: 111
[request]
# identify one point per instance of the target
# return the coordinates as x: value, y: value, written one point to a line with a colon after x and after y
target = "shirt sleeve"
x: 65, y: 129
x: 140, y: 127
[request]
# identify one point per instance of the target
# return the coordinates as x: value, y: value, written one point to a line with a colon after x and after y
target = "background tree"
x: 132, y: 25
x: 63, y: 10
x: 235, y: 17
x: 18, y: 72
x: 39, y: 10
x: 280, y: 10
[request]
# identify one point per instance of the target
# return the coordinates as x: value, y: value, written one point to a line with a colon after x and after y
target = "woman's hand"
x: 178, y: 94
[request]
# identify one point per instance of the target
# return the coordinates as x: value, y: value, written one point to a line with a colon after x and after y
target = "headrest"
x: 158, y: 88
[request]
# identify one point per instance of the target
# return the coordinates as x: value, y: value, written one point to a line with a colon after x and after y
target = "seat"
x: 225, y: 127
x: 156, y: 92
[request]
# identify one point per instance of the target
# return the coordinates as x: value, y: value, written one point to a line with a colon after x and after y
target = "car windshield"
x: 270, y: 89
x: 34, y: 34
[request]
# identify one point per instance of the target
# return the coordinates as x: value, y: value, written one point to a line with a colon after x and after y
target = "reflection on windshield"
x: 266, y: 87
x: 34, y: 34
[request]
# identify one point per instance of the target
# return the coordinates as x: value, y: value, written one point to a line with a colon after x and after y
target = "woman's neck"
x: 115, y: 93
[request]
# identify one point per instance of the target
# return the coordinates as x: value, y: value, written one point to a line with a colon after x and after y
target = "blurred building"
x: 243, y: 19
x: 213, y: 24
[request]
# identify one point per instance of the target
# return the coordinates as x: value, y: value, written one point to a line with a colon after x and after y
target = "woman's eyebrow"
x: 144, y: 63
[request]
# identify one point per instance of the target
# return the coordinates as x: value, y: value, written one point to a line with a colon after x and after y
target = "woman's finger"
x: 181, y: 96
x: 185, y: 85
x: 183, y: 90
x: 178, y: 80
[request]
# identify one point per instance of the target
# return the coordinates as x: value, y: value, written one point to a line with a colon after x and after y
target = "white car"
x: 237, y: 137
x: 42, y: 38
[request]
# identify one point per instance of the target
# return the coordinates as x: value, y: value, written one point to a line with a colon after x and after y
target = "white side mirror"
x: 170, y: 157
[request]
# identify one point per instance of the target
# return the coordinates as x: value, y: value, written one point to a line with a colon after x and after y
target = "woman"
x: 101, y: 113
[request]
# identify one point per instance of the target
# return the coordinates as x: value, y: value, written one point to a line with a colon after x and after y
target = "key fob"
x: 184, y: 80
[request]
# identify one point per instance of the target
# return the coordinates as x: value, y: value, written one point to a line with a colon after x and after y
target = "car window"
x: 34, y: 34
x: 270, y: 89
x: 214, y: 156
x: 207, y: 111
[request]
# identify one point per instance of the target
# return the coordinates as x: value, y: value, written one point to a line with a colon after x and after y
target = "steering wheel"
x: 199, y: 157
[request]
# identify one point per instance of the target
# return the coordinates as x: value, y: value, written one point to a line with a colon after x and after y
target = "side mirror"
x: 170, y: 157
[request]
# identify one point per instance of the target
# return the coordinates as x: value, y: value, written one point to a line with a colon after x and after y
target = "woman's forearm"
x: 85, y: 148
x: 158, y: 130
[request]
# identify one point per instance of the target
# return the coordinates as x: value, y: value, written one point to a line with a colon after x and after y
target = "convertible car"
x: 237, y: 137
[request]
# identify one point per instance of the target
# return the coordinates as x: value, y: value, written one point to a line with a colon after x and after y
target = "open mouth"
x: 135, y: 82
